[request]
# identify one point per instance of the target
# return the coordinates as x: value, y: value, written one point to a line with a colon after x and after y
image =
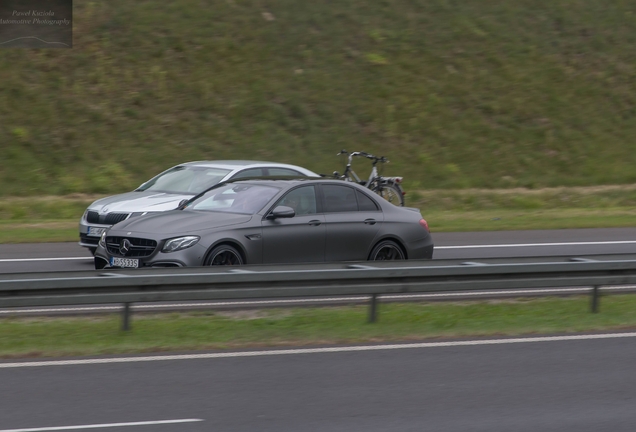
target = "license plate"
x: 124, y: 262
x: 95, y: 231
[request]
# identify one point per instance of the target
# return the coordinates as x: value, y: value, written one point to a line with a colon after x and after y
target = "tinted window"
x: 365, y: 203
x: 283, y: 172
x: 339, y: 199
x: 302, y: 200
x: 252, y: 172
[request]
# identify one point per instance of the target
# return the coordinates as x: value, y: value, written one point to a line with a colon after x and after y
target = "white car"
x: 166, y: 190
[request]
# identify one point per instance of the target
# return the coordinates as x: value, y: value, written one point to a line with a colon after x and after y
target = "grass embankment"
x: 456, y: 94
x: 49, y: 337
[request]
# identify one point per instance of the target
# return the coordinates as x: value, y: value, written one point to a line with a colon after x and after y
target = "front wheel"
x: 224, y: 255
x: 386, y: 251
x: 390, y: 192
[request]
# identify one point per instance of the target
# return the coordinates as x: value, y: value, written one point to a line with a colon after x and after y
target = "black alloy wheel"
x: 224, y: 255
x: 386, y: 251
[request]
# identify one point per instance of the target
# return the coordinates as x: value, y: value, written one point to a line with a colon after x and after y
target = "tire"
x: 390, y: 192
x: 92, y: 250
x: 224, y: 255
x: 387, y: 250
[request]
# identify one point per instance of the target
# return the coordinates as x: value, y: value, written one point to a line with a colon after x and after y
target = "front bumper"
x: 190, y: 257
x: 87, y: 240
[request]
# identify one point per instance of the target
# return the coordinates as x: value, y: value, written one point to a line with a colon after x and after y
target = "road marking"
x: 509, y: 245
x: 313, y: 350
x: 104, y: 425
x: 600, y: 243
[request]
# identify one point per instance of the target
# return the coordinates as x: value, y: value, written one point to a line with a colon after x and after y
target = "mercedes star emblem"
x: 124, y: 246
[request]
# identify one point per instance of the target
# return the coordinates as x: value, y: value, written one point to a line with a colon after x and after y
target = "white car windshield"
x: 235, y: 198
x: 185, y: 180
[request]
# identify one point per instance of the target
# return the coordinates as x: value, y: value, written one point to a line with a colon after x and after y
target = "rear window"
x: 283, y: 172
x: 365, y: 203
x: 339, y: 199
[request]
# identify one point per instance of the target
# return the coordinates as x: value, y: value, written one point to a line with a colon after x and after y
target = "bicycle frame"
x: 376, y: 183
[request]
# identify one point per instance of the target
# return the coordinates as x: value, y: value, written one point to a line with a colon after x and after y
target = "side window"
x: 283, y: 172
x: 339, y: 199
x: 302, y: 200
x: 252, y: 172
x: 365, y: 203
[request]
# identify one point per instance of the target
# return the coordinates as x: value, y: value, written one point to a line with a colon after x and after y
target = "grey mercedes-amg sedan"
x: 262, y: 221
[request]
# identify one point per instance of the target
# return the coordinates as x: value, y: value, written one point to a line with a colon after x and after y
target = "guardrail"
x: 360, y: 278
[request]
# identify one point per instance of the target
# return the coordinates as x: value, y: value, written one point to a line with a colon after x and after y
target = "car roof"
x: 293, y: 181
x: 235, y: 164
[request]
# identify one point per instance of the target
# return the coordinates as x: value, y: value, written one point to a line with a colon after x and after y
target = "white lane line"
x: 599, y: 243
x: 510, y: 245
x: 44, y: 259
x: 315, y: 300
x: 314, y: 350
x: 104, y: 425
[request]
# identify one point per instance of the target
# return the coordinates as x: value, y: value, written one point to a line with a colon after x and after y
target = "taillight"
x: 424, y: 225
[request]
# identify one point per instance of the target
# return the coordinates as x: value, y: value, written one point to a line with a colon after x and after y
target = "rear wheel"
x: 386, y: 251
x: 224, y: 255
x: 390, y: 192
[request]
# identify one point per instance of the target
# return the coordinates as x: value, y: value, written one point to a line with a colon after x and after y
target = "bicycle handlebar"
x: 375, y: 159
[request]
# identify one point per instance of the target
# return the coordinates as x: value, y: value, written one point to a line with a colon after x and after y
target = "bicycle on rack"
x: 387, y: 187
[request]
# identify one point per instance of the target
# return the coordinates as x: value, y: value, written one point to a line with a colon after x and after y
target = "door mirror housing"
x: 281, y: 212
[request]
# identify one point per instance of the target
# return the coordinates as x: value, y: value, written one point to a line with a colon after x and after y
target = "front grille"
x: 107, y: 219
x: 139, y: 247
x: 92, y: 217
x: 113, y: 218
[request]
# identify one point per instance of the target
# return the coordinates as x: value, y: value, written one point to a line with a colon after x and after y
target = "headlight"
x: 102, y: 240
x: 135, y: 214
x: 179, y: 243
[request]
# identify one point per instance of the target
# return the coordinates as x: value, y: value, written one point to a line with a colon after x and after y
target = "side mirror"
x: 281, y: 212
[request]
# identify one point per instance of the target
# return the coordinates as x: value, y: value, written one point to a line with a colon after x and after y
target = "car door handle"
x: 370, y: 221
x: 314, y: 222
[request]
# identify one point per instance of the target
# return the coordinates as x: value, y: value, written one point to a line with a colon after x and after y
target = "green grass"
x: 495, y: 94
x: 50, y: 337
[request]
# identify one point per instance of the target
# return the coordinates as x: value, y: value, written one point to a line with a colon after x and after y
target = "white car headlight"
x: 179, y: 243
x: 102, y: 240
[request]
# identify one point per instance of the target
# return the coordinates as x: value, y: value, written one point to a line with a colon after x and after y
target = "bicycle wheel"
x: 390, y: 192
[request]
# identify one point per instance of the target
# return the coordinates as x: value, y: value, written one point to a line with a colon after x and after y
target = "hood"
x: 146, y: 201
x: 180, y: 222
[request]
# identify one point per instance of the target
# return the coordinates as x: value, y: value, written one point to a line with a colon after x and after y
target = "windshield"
x: 185, y: 180
x: 235, y: 198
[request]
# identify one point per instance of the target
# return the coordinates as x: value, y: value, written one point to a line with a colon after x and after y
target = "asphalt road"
x: 19, y: 258
x: 558, y: 385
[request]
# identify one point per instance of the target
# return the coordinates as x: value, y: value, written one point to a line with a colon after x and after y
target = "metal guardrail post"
x: 373, y: 309
x: 125, y: 325
x: 595, y: 299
